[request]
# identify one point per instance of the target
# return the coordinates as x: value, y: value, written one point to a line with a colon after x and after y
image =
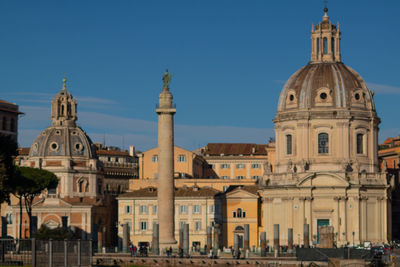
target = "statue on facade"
x: 166, y: 79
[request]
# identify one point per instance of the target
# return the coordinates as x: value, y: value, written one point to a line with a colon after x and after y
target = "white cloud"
x: 383, y: 89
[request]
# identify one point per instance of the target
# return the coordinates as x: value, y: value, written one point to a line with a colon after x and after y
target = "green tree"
x: 30, y: 183
x: 8, y: 150
x: 59, y: 233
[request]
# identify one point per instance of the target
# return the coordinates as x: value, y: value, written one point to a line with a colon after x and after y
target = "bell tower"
x: 325, y: 41
x: 64, y: 108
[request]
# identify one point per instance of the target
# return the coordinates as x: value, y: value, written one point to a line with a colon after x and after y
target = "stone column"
x: 125, y: 237
x: 276, y: 240
x: 209, y: 238
x: 155, y: 241
x: 306, y: 236
x: 246, y: 237
x: 186, y: 239
x: 263, y: 243
x: 290, y: 239
x: 165, y: 194
x: 216, y: 236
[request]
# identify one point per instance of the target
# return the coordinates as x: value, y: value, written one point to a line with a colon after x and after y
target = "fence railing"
x: 51, y: 253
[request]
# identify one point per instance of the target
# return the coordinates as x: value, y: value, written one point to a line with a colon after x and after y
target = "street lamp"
x: 344, y: 238
x: 353, y: 237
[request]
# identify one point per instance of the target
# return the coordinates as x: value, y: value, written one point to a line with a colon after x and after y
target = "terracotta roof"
x: 112, y: 152
x: 235, y: 149
x: 179, y: 192
x: 253, y: 189
x: 23, y: 151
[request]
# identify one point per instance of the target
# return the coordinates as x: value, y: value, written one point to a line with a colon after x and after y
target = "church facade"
x: 78, y: 202
x: 326, y: 170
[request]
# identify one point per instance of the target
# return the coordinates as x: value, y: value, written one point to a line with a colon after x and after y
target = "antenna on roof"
x: 104, y: 140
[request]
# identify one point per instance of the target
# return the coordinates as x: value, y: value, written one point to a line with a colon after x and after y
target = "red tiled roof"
x: 22, y: 151
x: 179, y: 192
x: 112, y: 152
x: 235, y: 149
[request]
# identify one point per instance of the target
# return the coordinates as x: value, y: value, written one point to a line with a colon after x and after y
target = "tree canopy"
x: 8, y: 150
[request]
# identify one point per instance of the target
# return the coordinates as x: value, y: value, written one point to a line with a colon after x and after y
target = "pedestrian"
x: 131, y: 248
x: 134, y: 250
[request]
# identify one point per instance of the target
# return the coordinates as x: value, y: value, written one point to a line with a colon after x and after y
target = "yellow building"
x: 198, y: 207
x: 241, y: 206
x: 235, y: 161
x: 187, y: 164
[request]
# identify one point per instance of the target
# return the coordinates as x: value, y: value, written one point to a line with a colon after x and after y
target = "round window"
x: 58, y: 132
x: 35, y: 147
x: 78, y: 146
x: 291, y: 97
x: 54, y: 146
x: 357, y: 96
x: 323, y: 96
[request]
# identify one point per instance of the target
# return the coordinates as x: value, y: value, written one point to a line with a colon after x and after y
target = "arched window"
x: 239, y: 213
x: 12, y: 125
x: 333, y: 46
x: 325, y: 45
x: 323, y: 142
x: 62, y: 110
x: 288, y: 144
x: 317, y: 46
x: 360, y: 143
x: 4, y: 123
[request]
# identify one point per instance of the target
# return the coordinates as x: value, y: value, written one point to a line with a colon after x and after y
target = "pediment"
x: 239, y: 193
x: 322, y: 179
x: 46, y: 202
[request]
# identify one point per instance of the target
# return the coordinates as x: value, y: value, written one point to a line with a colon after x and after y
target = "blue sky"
x: 229, y: 61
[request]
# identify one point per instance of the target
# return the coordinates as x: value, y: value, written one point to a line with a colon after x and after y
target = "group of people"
x: 134, y: 250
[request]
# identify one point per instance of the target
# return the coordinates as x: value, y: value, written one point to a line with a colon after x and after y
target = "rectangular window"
x: 323, y: 142
x: 155, y: 209
x: 255, y: 177
x: 143, y: 225
x: 183, y: 209
x: 143, y: 209
x: 211, y: 209
x: 255, y: 166
x: 240, y: 166
x: 197, y: 225
x: 154, y: 158
x: 127, y: 209
x: 360, y: 144
x: 116, y: 159
x: 244, y: 214
x: 64, y: 221
x: 196, y: 209
x: 224, y: 188
x: 224, y: 177
x: 240, y: 177
x: 234, y: 214
x: 225, y: 166
x: 210, y: 166
x: 288, y: 144
x: 181, y: 158
x: 182, y: 224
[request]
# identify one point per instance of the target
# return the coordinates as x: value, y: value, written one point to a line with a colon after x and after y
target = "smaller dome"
x: 65, y: 141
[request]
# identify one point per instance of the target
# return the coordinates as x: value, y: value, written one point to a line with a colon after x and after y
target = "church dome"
x: 62, y: 141
x: 325, y: 82
x: 325, y: 85
x: 64, y: 138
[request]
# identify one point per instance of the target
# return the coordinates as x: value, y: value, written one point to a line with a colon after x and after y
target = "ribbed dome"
x: 62, y: 141
x: 325, y: 85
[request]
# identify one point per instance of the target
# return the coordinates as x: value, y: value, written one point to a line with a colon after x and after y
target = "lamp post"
x: 353, y: 237
x: 337, y: 240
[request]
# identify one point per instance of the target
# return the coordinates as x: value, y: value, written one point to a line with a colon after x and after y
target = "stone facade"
x: 9, y: 119
x: 326, y: 169
x: 78, y: 201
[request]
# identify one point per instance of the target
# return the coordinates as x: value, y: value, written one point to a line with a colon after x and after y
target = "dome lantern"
x: 325, y: 41
x: 64, y: 108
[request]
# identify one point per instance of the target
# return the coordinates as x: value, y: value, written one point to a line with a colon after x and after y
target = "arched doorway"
x: 238, y: 234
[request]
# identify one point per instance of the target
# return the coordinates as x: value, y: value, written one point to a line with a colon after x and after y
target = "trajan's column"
x: 165, y: 195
